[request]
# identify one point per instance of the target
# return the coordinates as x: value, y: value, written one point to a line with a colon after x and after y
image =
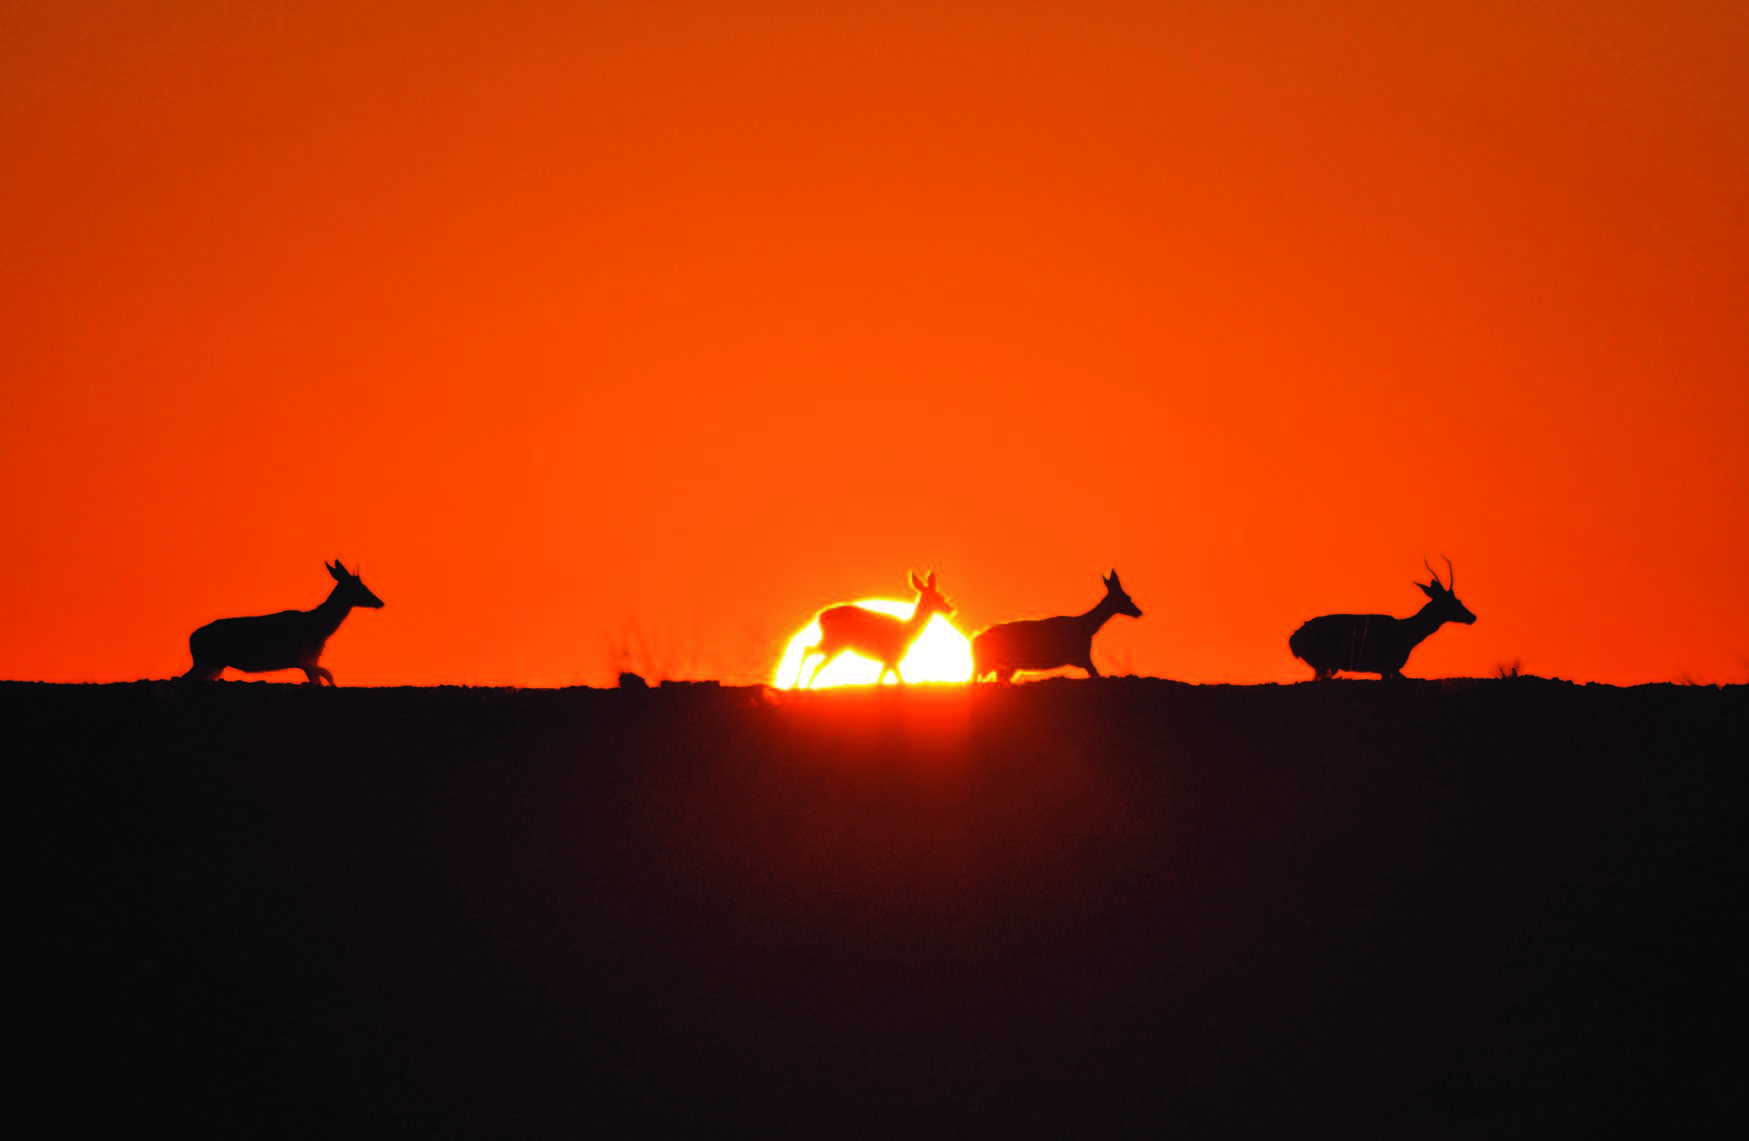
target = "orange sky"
x: 658, y: 326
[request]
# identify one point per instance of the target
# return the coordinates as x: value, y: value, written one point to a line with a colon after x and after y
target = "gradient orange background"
x: 655, y: 327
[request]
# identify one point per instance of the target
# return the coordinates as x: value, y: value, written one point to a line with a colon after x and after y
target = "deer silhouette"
x: 876, y: 636
x: 1377, y: 643
x: 291, y: 639
x: 1048, y: 643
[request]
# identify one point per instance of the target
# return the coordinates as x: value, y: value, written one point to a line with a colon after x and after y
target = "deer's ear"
x: 931, y: 580
x: 916, y: 583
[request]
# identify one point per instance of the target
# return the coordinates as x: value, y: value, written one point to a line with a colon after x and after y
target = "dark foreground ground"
x: 1469, y: 909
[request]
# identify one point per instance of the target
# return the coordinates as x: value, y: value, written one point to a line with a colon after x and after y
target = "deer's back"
x: 1033, y: 644
x: 256, y: 643
x: 867, y: 631
x: 1364, y: 643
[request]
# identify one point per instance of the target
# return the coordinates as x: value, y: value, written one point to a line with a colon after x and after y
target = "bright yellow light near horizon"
x: 940, y: 653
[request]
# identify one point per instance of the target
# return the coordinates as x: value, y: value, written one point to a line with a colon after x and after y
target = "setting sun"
x: 941, y: 653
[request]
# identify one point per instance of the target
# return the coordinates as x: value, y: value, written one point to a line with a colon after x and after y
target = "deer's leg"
x: 1092, y: 670
x: 316, y: 674
x: 199, y: 672
x: 811, y: 652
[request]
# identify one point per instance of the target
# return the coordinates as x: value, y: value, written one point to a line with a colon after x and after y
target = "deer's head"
x: 352, y: 590
x: 929, y: 599
x: 1445, y: 602
x: 1120, y: 601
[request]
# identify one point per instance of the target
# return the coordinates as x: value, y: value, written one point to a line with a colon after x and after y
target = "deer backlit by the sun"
x: 878, y: 637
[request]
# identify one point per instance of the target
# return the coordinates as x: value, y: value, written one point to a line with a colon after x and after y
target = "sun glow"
x: 941, y: 653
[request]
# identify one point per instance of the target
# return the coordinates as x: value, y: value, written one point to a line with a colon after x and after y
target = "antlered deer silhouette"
x: 291, y: 639
x: 879, y: 637
x: 1377, y: 643
x: 1048, y: 643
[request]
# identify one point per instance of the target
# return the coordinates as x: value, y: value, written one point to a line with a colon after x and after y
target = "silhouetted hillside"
x: 1418, y: 909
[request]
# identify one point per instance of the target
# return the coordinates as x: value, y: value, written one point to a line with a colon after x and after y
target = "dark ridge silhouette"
x: 1462, y: 909
x: 1377, y: 643
x: 879, y: 637
x: 291, y: 639
x: 1048, y: 643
